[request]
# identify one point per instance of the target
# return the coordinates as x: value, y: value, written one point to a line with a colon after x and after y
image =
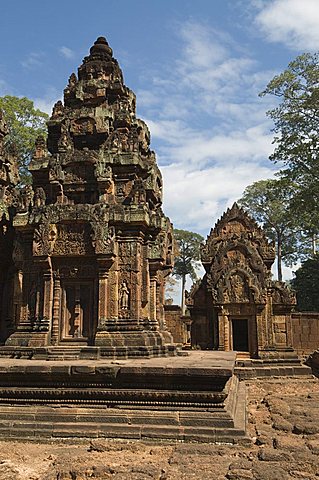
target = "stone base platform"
x: 186, y: 398
x: 135, y: 343
x: 78, y: 352
x: 246, y: 369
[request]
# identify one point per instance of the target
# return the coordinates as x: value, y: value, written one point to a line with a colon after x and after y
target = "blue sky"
x: 196, y: 66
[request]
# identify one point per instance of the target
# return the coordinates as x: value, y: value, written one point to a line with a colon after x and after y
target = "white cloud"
x: 208, y: 126
x: 33, y: 60
x: 199, y: 50
x: 195, y: 199
x: 46, y: 102
x: 66, y: 52
x: 240, y: 145
x: 292, y: 22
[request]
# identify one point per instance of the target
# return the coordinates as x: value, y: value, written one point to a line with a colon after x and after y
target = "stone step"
x: 262, y: 371
x: 39, y: 415
x: 31, y: 421
x: 61, y: 427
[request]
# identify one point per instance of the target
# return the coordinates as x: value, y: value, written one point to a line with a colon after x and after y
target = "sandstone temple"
x: 87, y: 248
x: 237, y: 305
x: 88, y: 347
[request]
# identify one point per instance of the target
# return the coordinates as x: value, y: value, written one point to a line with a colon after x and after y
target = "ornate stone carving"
x: 72, y: 240
x: 100, y: 238
x: 103, y: 238
x: 124, y: 296
x: 44, y: 238
x: 237, y: 258
x: 39, y: 197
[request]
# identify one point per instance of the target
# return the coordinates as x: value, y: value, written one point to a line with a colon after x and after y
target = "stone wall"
x: 177, y: 325
x: 305, y: 332
x: 304, y: 326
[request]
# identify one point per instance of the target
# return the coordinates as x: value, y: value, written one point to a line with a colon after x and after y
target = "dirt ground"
x: 283, y: 425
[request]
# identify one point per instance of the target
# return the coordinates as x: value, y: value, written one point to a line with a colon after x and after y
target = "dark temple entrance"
x: 240, y: 334
x: 77, y: 311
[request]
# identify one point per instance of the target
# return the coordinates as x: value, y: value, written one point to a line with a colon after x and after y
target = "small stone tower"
x: 237, y: 306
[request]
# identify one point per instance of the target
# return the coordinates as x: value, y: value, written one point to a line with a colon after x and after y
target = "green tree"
x: 296, y: 127
x: 187, y: 257
x: 268, y: 202
x: 25, y: 123
x: 306, y: 284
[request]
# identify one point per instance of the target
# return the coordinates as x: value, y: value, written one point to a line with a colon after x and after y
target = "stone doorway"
x: 77, y: 312
x: 240, y: 335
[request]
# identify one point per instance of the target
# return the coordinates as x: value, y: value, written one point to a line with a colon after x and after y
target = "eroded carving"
x: 99, y: 236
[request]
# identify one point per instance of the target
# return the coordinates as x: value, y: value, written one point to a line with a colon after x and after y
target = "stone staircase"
x: 64, y: 353
x: 247, y: 369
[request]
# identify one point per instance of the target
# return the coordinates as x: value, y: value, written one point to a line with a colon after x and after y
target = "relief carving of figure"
x: 39, y: 197
x: 138, y: 193
x: 26, y: 198
x: 124, y: 296
x: 56, y: 172
x: 65, y: 142
x: 238, y: 289
x: 102, y: 238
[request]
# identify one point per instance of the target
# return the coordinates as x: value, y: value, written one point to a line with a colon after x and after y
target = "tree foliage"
x: 187, y: 257
x: 296, y: 127
x: 25, y: 123
x: 306, y: 284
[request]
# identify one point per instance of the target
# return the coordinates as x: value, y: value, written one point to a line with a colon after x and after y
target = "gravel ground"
x: 283, y: 425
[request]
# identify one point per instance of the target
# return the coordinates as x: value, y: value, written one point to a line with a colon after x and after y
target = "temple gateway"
x: 237, y: 306
x: 86, y: 250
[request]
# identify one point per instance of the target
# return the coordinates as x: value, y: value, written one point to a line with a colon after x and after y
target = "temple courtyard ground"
x: 283, y: 424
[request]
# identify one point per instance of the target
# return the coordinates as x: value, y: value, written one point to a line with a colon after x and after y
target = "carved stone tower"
x: 237, y: 306
x: 93, y: 246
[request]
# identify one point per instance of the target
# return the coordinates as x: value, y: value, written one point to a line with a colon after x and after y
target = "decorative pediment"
x: 237, y: 257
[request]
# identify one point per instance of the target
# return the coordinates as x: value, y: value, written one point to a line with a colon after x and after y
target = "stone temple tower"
x: 92, y: 246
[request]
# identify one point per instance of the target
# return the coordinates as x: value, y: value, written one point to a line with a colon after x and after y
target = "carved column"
x: 221, y: 330
x: 113, y: 302
x: 136, y: 281
x: 261, y: 331
x: 55, y: 332
x: 102, y: 297
x: 227, y: 334
x: 47, y: 290
x: 17, y: 297
x: 160, y: 303
x: 253, y: 336
x: 145, y: 295
x: 289, y: 330
x: 153, y: 299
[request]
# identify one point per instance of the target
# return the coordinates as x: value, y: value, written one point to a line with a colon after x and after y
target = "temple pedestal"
x: 196, y: 398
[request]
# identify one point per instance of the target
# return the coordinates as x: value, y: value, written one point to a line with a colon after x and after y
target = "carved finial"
x: 57, y: 109
x: 72, y: 80
x: 101, y: 46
